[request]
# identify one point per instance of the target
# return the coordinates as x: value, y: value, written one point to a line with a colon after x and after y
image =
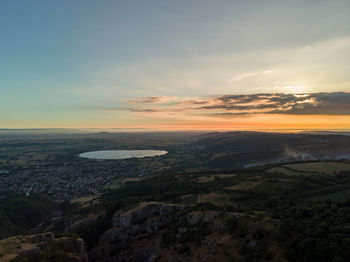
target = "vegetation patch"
x: 18, y: 213
x: 211, y: 178
x: 286, y: 171
x: 244, y: 185
x: 329, y: 168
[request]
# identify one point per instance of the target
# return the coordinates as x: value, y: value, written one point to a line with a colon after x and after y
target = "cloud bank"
x: 335, y: 103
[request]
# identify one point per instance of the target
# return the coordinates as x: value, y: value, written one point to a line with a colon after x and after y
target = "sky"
x: 175, y: 65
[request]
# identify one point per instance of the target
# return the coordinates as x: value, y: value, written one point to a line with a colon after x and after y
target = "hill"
x: 237, y: 149
x: 205, y: 207
x: 241, y: 215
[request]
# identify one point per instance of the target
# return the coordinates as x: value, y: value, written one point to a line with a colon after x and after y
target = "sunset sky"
x: 184, y: 64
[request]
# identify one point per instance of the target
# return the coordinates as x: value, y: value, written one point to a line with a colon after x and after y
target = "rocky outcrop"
x: 160, y: 232
x: 135, y: 226
x: 146, y: 218
x: 45, y: 245
x: 79, y: 225
x: 80, y: 246
x: 197, y: 217
x: 143, y: 212
x: 44, y: 237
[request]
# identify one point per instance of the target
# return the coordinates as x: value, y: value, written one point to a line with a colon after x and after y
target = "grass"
x: 285, y: 171
x: 83, y: 200
x: 117, y: 183
x: 215, y: 198
x: 131, y: 179
x: 211, y: 178
x: 11, y: 247
x: 332, y: 196
x: 244, y: 185
x: 112, y: 186
x: 189, y: 199
x: 328, y: 168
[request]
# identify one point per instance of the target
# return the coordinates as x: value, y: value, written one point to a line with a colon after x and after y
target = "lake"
x: 122, y: 154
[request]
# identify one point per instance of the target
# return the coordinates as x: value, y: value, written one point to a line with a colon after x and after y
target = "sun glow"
x: 295, y: 89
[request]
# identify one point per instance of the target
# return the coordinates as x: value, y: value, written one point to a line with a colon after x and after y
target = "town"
x: 70, y: 180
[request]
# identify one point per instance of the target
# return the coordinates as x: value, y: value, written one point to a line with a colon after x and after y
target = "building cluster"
x: 68, y: 180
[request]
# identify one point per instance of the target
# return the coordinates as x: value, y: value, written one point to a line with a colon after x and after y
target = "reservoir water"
x: 122, y: 154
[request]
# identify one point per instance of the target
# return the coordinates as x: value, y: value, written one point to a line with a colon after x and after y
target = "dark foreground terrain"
x: 296, y: 208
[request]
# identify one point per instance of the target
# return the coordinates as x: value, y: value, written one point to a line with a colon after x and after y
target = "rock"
x: 123, y: 221
x: 219, y: 226
x: 75, y: 227
x: 182, y: 230
x: 44, y: 237
x: 80, y: 246
x: 31, y: 251
x: 40, y: 246
x: 196, y: 218
x: 168, y: 209
x: 146, y: 254
x: 148, y: 217
x: 252, y: 243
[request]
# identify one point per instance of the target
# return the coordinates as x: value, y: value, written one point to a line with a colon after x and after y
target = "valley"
x: 164, y: 208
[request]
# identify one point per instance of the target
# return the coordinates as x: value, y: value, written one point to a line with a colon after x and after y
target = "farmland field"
x: 321, y: 167
x: 286, y: 171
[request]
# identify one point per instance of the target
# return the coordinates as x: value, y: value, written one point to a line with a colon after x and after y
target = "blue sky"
x: 68, y: 63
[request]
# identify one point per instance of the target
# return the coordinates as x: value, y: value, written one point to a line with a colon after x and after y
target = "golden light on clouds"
x: 295, y: 89
x: 121, y: 64
x: 252, y: 122
x: 265, y: 111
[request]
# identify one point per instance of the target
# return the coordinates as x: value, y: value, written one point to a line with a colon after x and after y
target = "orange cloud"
x: 337, y: 103
x: 150, y: 100
x: 275, y: 111
x: 257, y: 122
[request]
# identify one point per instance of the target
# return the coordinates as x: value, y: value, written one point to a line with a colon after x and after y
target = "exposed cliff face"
x: 164, y: 232
x: 144, y: 212
x: 79, y: 225
x: 148, y: 217
x: 153, y: 232
x: 145, y: 220
x: 45, y: 245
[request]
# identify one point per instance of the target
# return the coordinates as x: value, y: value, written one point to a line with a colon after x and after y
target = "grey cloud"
x: 326, y: 104
x: 149, y: 100
x: 336, y: 103
x: 144, y: 110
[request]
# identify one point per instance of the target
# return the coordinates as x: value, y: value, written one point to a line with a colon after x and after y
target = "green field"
x: 117, y: 183
x: 343, y: 194
x: 285, y: 171
x: 328, y: 168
